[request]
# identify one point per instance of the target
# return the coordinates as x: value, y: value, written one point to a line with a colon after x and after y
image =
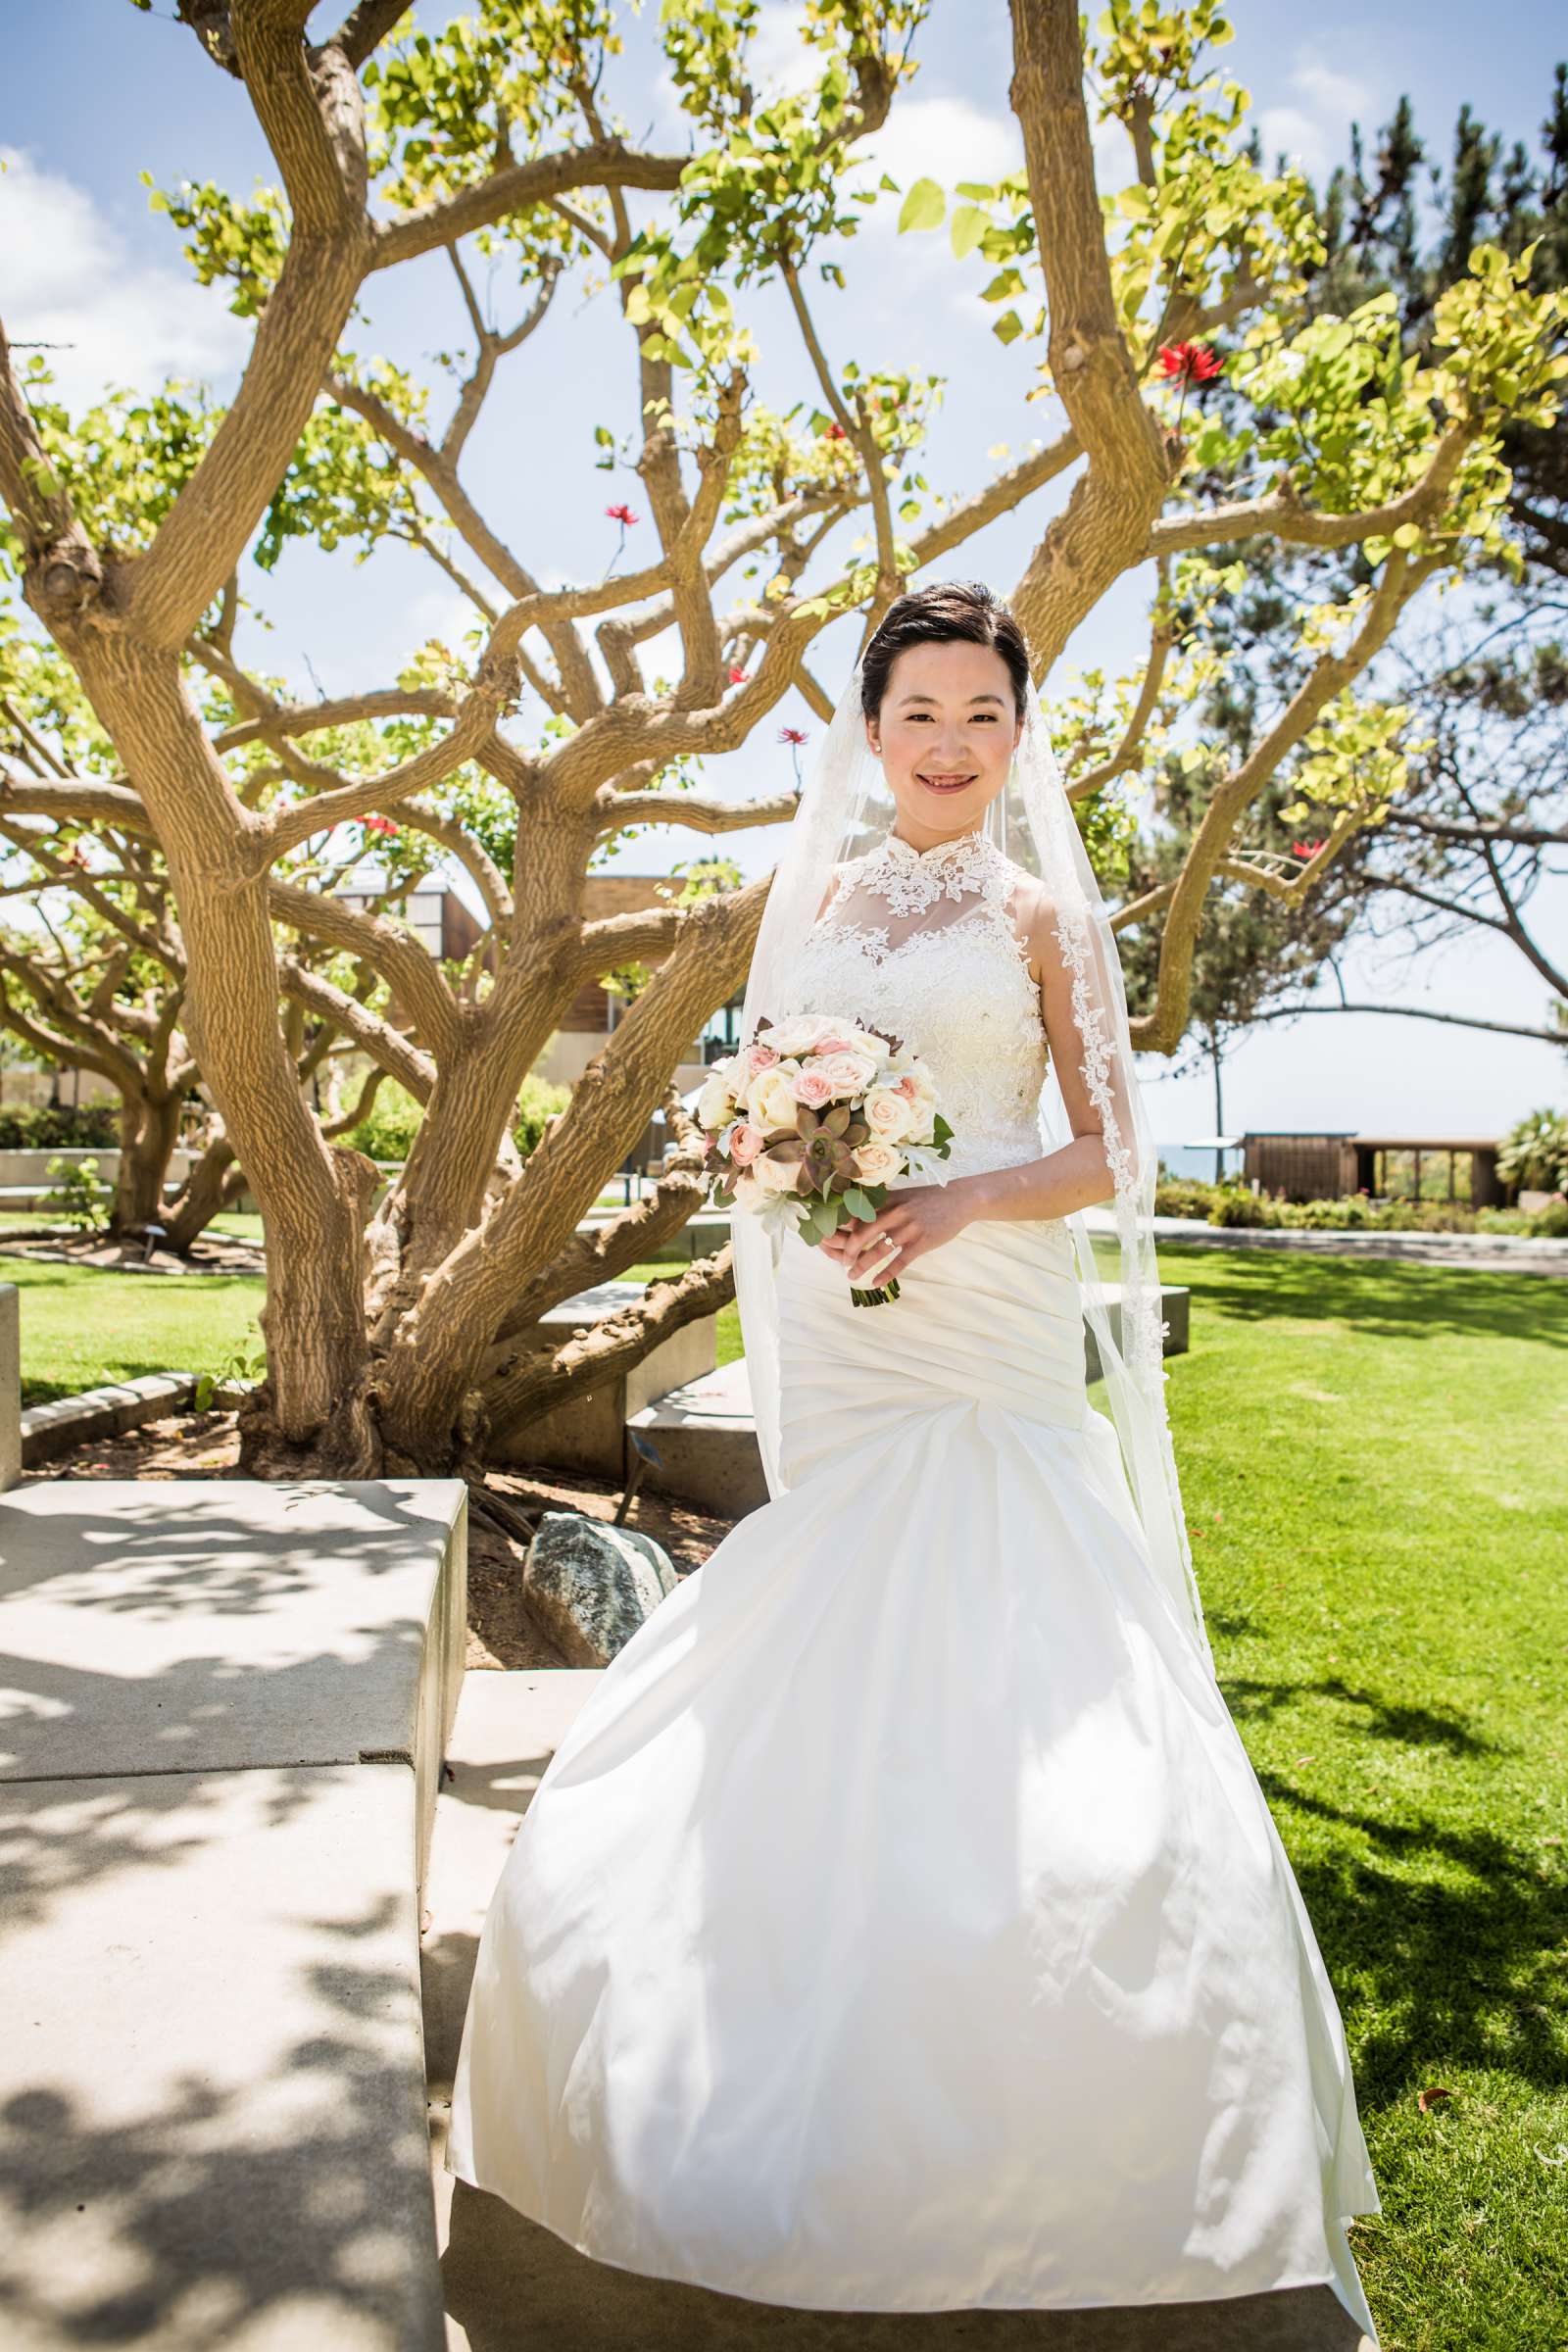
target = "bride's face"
x: 946, y: 735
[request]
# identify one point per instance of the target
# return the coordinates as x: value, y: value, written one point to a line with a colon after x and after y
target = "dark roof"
x: 1370, y: 1143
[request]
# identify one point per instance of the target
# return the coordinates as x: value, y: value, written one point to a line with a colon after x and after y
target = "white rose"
x: 877, y: 1163
x: 800, y: 1035
x: 772, y: 1101
x: 715, y: 1105
x: 889, y: 1116
x: 775, y: 1175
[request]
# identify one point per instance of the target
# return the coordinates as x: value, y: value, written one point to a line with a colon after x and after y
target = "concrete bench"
x: 223, y: 1712
x: 589, y: 1433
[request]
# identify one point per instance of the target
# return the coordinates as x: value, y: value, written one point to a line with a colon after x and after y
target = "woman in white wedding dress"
x: 901, y: 1924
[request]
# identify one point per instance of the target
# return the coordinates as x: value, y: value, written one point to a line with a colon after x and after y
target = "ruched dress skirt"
x: 901, y: 1924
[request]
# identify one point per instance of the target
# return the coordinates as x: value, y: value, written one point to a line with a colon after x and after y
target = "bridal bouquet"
x: 809, y: 1124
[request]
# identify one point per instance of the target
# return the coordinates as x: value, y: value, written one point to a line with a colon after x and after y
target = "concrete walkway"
x: 223, y: 1707
x: 512, y: 2286
x: 1479, y: 1253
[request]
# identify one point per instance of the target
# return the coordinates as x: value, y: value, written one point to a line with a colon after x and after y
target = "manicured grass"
x: 1372, y: 1461
x: 1371, y: 1455
x: 81, y: 1327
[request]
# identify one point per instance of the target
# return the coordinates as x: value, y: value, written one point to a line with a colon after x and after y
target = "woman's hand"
x: 877, y: 1250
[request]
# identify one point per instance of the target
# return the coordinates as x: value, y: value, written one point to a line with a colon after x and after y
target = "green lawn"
x: 81, y: 1327
x: 1372, y: 1456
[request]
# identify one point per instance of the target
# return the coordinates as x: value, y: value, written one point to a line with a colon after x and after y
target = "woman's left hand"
x: 876, y: 1250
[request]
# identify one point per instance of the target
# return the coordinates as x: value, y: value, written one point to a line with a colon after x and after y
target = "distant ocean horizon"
x: 1182, y: 1160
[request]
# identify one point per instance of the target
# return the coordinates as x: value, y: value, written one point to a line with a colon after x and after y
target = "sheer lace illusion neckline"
x: 963, y: 863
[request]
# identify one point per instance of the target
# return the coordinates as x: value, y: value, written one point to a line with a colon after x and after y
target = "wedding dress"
x: 901, y: 1924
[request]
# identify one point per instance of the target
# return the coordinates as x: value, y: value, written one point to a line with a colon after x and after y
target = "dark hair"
x: 934, y: 616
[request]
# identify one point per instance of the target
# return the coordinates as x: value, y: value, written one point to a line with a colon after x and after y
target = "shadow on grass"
x: 1378, y: 1297
x: 1453, y: 1932
x: 1381, y: 1719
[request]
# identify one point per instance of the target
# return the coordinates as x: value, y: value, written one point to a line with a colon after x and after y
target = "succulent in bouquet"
x: 810, y: 1124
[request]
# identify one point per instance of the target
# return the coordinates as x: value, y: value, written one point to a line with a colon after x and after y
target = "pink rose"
x: 744, y: 1142
x: 848, y: 1072
x: 812, y: 1087
x: 760, y: 1057
x: 904, y: 1086
x: 833, y: 1045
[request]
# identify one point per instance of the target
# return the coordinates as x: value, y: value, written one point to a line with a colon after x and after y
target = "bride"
x: 901, y: 1926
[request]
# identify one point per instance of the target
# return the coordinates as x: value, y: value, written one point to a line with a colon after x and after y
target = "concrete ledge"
x: 107, y: 1412
x: 587, y: 1434
x: 224, y: 1707
x: 10, y: 1386
x: 1175, y: 1308
x: 705, y: 1437
x: 211, y: 2127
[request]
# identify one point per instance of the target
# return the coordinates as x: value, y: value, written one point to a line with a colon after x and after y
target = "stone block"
x: 212, y: 2109
x: 220, y: 1624
x: 10, y: 1386
x: 588, y: 1433
x: 1176, y: 1303
x: 705, y: 1439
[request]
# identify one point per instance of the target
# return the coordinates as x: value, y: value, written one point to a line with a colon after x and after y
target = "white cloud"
x: 70, y: 279
x: 944, y: 139
x: 778, y: 59
x: 1313, y: 127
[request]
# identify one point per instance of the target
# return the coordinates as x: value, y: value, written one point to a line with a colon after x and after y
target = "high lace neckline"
x: 941, y: 853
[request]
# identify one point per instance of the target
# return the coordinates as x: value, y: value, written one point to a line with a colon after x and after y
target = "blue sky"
x: 99, y: 92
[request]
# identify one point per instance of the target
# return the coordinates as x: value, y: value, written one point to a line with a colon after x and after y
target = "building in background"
x: 1330, y: 1166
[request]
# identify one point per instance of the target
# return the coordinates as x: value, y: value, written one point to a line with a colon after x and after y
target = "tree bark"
x: 149, y: 1129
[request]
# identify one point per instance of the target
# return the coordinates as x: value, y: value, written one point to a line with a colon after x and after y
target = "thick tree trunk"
x: 314, y: 1197
x: 149, y: 1129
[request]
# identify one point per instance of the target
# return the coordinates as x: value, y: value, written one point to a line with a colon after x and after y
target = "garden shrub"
x: 1183, y: 1197
x: 41, y: 1127
x: 388, y: 1129
x: 1234, y: 1204
x: 537, y: 1104
x: 78, y: 1194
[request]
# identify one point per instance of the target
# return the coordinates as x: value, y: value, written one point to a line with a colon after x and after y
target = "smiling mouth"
x: 946, y: 783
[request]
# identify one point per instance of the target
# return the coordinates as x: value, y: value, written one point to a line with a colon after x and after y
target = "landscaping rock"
x: 592, y: 1585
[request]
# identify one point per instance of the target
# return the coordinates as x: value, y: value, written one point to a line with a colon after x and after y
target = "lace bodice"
x: 921, y: 943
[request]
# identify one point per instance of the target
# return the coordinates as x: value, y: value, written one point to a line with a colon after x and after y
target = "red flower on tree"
x: 379, y: 824
x: 833, y: 432
x: 794, y: 737
x: 1307, y: 849
x: 1190, y: 363
x: 621, y: 514
x: 737, y: 677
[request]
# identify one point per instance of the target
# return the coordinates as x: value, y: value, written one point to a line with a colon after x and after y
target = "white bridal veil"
x: 845, y: 809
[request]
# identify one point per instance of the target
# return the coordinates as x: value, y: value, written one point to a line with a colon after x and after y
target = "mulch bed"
x: 213, y: 1254
x: 501, y: 1631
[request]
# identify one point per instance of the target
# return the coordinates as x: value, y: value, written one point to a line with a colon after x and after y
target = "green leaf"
x: 969, y: 226
x: 923, y: 207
